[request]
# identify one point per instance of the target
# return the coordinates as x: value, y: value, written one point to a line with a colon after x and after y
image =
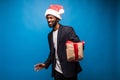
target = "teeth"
x: 50, y: 23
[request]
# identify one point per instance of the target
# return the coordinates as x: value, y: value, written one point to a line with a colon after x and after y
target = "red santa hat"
x: 55, y: 10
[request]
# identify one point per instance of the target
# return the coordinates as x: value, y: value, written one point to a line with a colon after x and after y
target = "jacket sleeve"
x: 49, y: 60
x: 72, y: 35
x: 50, y: 56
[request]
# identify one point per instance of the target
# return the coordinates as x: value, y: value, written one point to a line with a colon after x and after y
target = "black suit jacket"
x: 65, y: 33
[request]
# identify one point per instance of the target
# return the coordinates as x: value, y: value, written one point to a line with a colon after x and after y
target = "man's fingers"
x: 39, y: 66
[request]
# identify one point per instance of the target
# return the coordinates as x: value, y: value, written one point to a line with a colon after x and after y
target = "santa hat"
x: 55, y: 10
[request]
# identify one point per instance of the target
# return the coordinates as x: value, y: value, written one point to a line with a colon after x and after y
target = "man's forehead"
x: 50, y: 15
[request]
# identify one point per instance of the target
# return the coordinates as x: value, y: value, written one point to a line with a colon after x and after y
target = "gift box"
x: 74, y: 51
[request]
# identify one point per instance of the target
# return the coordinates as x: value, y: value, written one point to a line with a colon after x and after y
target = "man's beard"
x: 53, y: 25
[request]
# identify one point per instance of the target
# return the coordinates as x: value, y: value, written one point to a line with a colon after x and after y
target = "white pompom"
x: 61, y: 11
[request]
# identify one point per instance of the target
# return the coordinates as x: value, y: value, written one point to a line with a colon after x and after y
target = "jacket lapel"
x: 59, y: 35
x: 51, y: 40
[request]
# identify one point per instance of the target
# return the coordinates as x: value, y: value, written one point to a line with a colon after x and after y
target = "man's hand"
x: 39, y: 66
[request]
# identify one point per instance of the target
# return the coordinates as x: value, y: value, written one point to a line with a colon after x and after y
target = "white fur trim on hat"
x: 53, y: 12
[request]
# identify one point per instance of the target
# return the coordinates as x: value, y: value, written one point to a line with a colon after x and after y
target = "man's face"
x: 52, y: 20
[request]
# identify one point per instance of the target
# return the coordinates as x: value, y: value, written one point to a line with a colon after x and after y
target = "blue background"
x: 24, y: 29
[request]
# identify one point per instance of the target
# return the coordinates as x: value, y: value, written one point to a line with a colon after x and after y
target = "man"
x: 61, y: 68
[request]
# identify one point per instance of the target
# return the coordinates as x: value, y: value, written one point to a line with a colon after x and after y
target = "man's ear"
x: 58, y: 19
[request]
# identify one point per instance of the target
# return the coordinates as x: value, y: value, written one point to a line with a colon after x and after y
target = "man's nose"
x: 49, y: 20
